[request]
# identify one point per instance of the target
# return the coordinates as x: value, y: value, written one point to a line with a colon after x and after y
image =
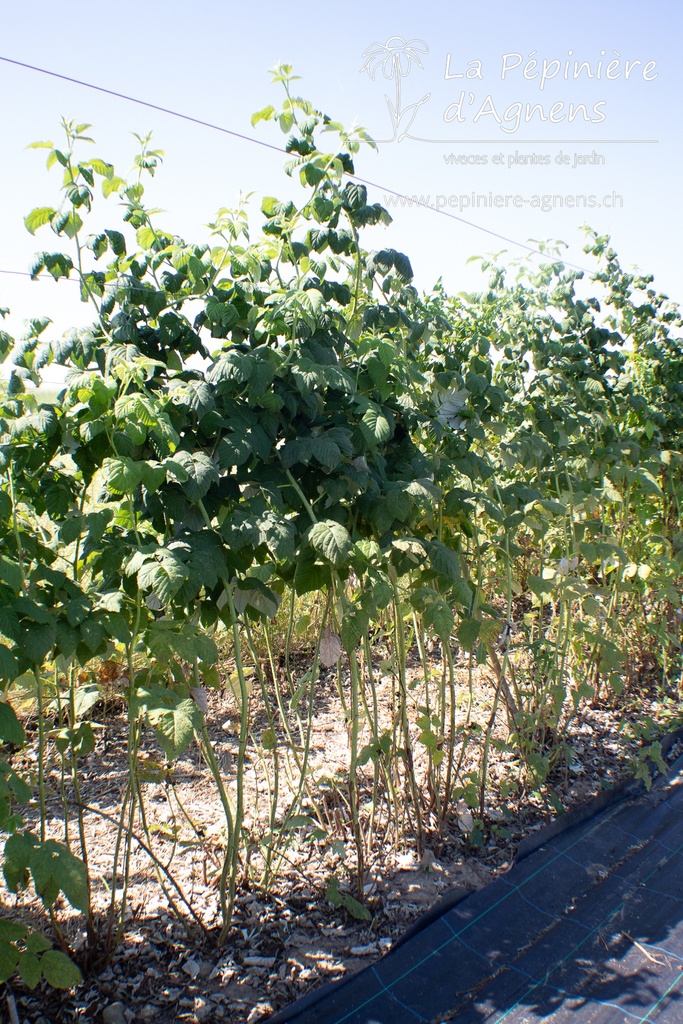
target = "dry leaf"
x: 330, y: 649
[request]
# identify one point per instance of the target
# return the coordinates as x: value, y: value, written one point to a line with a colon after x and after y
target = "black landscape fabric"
x: 587, y: 929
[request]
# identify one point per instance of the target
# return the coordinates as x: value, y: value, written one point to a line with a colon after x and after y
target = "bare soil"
x: 290, y: 939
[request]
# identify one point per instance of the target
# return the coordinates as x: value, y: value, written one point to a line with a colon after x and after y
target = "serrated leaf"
x: 116, y: 239
x: 29, y: 969
x: 444, y: 560
x: 404, y: 270
x: 338, y: 379
x: 38, y: 217
x: 54, y: 867
x: 10, y: 573
x: 309, y: 574
x: 332, y: 540
x: 326, y: 452
x: 153, y: 475
x: 163, y: 578
x: 59, y: 971
x: 490, y: 630
x: 399, y: 504
x: 9, y: 665
x: 439, y: 615
x: 201, y: 473
x: 37, y: 641
x: 374, y: 426
x: 262, y: 115
x: 196, y: 394
x: 110, y: 185
x: 11, y: 730
x: 462, y: 593
x: 223, y: 313
x: 468, y: 633
x: 122, y: 476
x: 12, y: 931
x: 167, y: 639
x: 251, y: 593
x: 173, y: 717
x: 411, y: 547
x: 541, y: 587
x: 233, y: 450
x: 354, y: 627
x: 278, y: 534
x: 9, y: 958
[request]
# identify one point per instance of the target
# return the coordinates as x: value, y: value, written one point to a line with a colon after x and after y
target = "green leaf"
x: 251, y: 593
x: 399, y: 504
x: 338, y: 379
x: 355, y: 908
x: 110, y: 185
x: 37, y: 641
x: 439, y: 615
x: 9, y: 665
x: 116, y: 239
x: 36, y: 942
x: 167, y: 639
x: 34, y: 611
x: 20, y: 788
x: 223, y: 313
x: 12, y: 931
x: 29, y: 969
x: 332, y: 540
x: 195, y: 394
x: 539, y: 586
x: 92, y: 633
x: 173, y: 717
x: 309, y: 574
x: 278, y: 534
x: 468, y: 633
x: 402, y: 266
x: 122, y: 476
x: 462, y: 593
x: 59, y: 971
x: 9, y: 958
x: 54, y: 867
x: 233, y: 450
x: 263, y: 115
x: 38, y: 217
x: 164, y: 578
x: 18, y: 850
x: 344, y: 899
x: 269, y: 739
x: 374, y: 425
x: 326, y: 452
x: 353, y: 628
x: 201, y: 473
x: 153, y: 475
x: 444, y: 560
x: 11, y: 730
x: 10, y: 574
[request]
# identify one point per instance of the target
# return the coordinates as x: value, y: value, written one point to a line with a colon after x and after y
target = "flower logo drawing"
x: 396, y: 58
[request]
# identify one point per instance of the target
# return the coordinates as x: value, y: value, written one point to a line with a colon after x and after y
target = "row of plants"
x: 254, y: 430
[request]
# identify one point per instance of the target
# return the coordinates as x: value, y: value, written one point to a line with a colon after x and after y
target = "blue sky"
x: 210, y: 60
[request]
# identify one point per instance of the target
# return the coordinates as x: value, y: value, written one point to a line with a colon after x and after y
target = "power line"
x: 453, y: 216
x: 144, y: 103
x: 25, y: 273
x: 276, y: 149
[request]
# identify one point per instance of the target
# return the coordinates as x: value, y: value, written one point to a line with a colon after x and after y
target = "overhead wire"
x: 278, y: 149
